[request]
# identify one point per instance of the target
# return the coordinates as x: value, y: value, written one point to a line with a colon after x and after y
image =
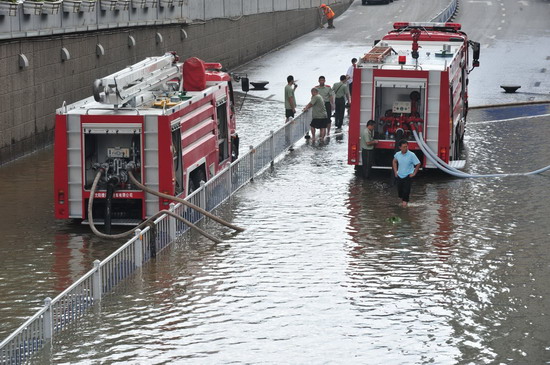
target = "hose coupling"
x: 131, y: 166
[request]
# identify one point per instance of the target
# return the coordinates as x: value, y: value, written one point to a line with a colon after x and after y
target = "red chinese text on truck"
x: 416, y: 76
x: 174, y: 121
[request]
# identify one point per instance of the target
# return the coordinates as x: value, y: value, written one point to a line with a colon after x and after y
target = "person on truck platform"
x: 349, y: 74
x: 405, y: 166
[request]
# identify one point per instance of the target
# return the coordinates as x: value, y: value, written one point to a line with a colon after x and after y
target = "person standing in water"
x: 405, y: 166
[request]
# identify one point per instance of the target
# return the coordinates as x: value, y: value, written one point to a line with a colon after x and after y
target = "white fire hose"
x: 440, y: 164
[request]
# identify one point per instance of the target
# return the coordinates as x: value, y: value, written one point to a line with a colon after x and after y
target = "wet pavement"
x: 330, y: 268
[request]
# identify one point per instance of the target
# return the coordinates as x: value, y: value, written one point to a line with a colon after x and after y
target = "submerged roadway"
x: 323, y: 273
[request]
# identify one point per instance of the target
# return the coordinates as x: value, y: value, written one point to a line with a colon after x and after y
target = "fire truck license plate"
x: 118, y: 152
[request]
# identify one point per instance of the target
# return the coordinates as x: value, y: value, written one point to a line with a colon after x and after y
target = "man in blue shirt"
x: 405, y: 166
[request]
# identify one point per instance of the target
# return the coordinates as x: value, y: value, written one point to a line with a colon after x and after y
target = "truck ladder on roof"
x: 122, y: 86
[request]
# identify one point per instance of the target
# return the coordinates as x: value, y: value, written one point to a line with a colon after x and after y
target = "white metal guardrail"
x: 446, y: 13
x: 73, y: 303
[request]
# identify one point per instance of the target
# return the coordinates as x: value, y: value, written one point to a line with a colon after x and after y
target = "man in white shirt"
x: 349, y: 74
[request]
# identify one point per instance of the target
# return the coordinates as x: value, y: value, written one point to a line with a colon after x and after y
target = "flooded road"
x: 330, y: 269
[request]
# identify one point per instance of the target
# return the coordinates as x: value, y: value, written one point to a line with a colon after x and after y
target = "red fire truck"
x: 174, y: 121
x: 416, y: 76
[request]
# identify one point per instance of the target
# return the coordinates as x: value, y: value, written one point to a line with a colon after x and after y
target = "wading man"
x: 327, y: 94
x: 405, y: 166
x: 319, y: 114
x: 341, y: 95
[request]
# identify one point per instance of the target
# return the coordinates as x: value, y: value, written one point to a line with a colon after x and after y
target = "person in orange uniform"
x: 329, y: 14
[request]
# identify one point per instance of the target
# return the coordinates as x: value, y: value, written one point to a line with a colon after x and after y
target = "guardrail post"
x: 252, y: 162
x: 272, y: 146
x: 229, y: 178
x: 289, y: 136
x: 138, y: 249
x: 172, y: 223
x: 203, y: 196
x: 96, y: 282
x: 48, y: 319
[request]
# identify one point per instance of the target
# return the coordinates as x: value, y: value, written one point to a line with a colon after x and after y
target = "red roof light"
x: 400, y: 25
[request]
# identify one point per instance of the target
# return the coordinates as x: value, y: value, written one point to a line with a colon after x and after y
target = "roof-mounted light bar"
x: 401, y: 25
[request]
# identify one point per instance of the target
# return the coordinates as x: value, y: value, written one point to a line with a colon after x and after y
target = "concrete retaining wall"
x: 30, y: 95
x: 30, y: 18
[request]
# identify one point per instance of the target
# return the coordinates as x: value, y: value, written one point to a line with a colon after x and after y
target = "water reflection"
x: 459, y: 277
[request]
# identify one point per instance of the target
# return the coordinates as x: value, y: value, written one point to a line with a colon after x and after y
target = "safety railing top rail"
x: 446, y: 14
x: 15, y: 348
x: 73, y: 286
x: 124, y: 246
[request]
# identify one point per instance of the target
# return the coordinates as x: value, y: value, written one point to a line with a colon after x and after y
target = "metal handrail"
x: 446, y: 13
x: 73, y: 286
x: 122, y: 248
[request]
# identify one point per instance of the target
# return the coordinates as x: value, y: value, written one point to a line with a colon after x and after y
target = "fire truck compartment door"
x: 401, y: 83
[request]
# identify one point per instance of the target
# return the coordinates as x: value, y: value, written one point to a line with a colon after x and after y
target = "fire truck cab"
x: 174, y: 122
x: 416, y: 76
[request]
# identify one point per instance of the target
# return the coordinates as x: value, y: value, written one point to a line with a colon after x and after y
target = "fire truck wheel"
x: 457, y: 148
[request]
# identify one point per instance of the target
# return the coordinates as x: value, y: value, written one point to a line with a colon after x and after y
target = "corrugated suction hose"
x: 140, y: 226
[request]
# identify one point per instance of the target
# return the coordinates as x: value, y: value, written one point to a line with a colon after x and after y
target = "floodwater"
x: 330, y: 269
x: 41, y: 256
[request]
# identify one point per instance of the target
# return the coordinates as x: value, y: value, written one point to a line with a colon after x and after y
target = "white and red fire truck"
x: 174, y: 121
x: 416, y: 76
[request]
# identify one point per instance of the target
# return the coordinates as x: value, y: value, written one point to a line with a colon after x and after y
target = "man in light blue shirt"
x: 405, y: 166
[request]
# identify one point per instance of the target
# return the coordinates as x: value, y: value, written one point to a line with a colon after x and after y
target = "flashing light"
x: 399, y: 25
x: 402, y: 58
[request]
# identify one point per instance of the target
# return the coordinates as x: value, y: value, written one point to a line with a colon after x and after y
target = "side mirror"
x: 245, y: 84
x: 476, y: 50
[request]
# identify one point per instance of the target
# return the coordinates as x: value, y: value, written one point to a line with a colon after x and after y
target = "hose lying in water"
x: 440, y: 164
x: 140, y: 226
x: 183, y: 201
